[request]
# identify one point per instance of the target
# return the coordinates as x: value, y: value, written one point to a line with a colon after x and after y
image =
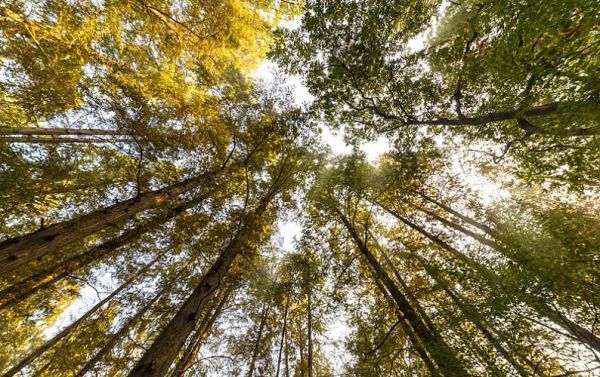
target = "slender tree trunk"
x: 287, y: 355
x: 69, y: 329
x: 17, y: 251
x: 58, y: 131
x: 283, y: 333
x: 61, y: 140
x: 584, y: 335
x: 441, y: 352
x: 159, y: 357
x: 25, y: 288
x: 201, y: 334
x: 256, y: 349
x: 412, y: 337
x: 462, y: 229
x: 472, y: 315
x: 465, y: 218
x: 411, y: 297
x: 310, y: 336
x: 117, y: 337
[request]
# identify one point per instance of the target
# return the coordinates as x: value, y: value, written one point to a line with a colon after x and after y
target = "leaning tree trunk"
x: 201, y: 334
x: 69, y: 329
x: 17, y: 251
x: 310, y: 337
x: 22, y: 290
x: 412, y: 337
x: 441, y: 352
x: 283, y: 333
x: 158, y: 358
x: 584, y: 335
x: 59, y: 131
x: 472, y: 315
x: 256, y: 349
x: 61, y: 140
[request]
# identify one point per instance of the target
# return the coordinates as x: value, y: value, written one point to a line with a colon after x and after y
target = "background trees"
x: 146, y: 180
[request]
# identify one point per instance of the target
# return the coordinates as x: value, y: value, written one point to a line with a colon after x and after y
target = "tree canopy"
x: 168, y: 209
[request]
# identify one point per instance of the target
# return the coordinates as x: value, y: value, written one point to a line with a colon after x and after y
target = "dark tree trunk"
x: 17, y: 251
x: 25, y: 288
x: 58, y: 131
x: 310, y: 336
x: 256, y: 349
x: 61, y: 140
x: 159, y: 357
x: 283, y: 333
x: 584, y: 335
x: 441, y: 352
x: 201, y: 334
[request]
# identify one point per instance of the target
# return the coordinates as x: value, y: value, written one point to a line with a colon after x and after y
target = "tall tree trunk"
x: 17, y: 251
x: 283, y: 333
x: 25, y: 288
x: 61, y: 140
x: 159, y: 357
x: 471, y: 315
x: 201, y: 334
x: 465, y: 218
x: 310, y: 336
x: 58, y: 131
x: 412, y: 337
x: 287, y: 355
x: 256, y: 349
x: 460, y: 228
x: 441, y: 352
x: 584, y: 335
x: 69, y: 329
x: 117, y: 337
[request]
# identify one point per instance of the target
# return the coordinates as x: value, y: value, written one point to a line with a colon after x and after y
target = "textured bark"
x: 256, y: 348
x: 283, y: 333
x: 58, y: 131
x: 158, y: 358
x: 72, y: 327
x: 207, y: 322
x: 584, y: 335
x: 61, y: 140
x: 17, y: 251
x: 412, y: 337
x: 439, y: 349
x: 310, y: 337
x: 460, y: 228
x: 105, y: 350
x: 25, y: 288
x: 472, y: 316
x: 465, y: 218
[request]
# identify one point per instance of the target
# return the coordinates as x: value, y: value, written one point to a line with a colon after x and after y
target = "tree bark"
x: 473, y: 316
x: 256, y: 349
x: 584, y: 335
x: 69, y: 329
x: 488, y: 230
x: 25, y: 288
x: 158, y: 358
x: 61, y: 140
x: 412, y: 337
x: 117, y: 337
x: 58, y: 131
x: 283, y: 333
x: 310, y: 336
x: 440, y: 350
x: 201, y: 334
x: 17, y: 251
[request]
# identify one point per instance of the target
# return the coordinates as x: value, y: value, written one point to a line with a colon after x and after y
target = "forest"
x: 300, y: 188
